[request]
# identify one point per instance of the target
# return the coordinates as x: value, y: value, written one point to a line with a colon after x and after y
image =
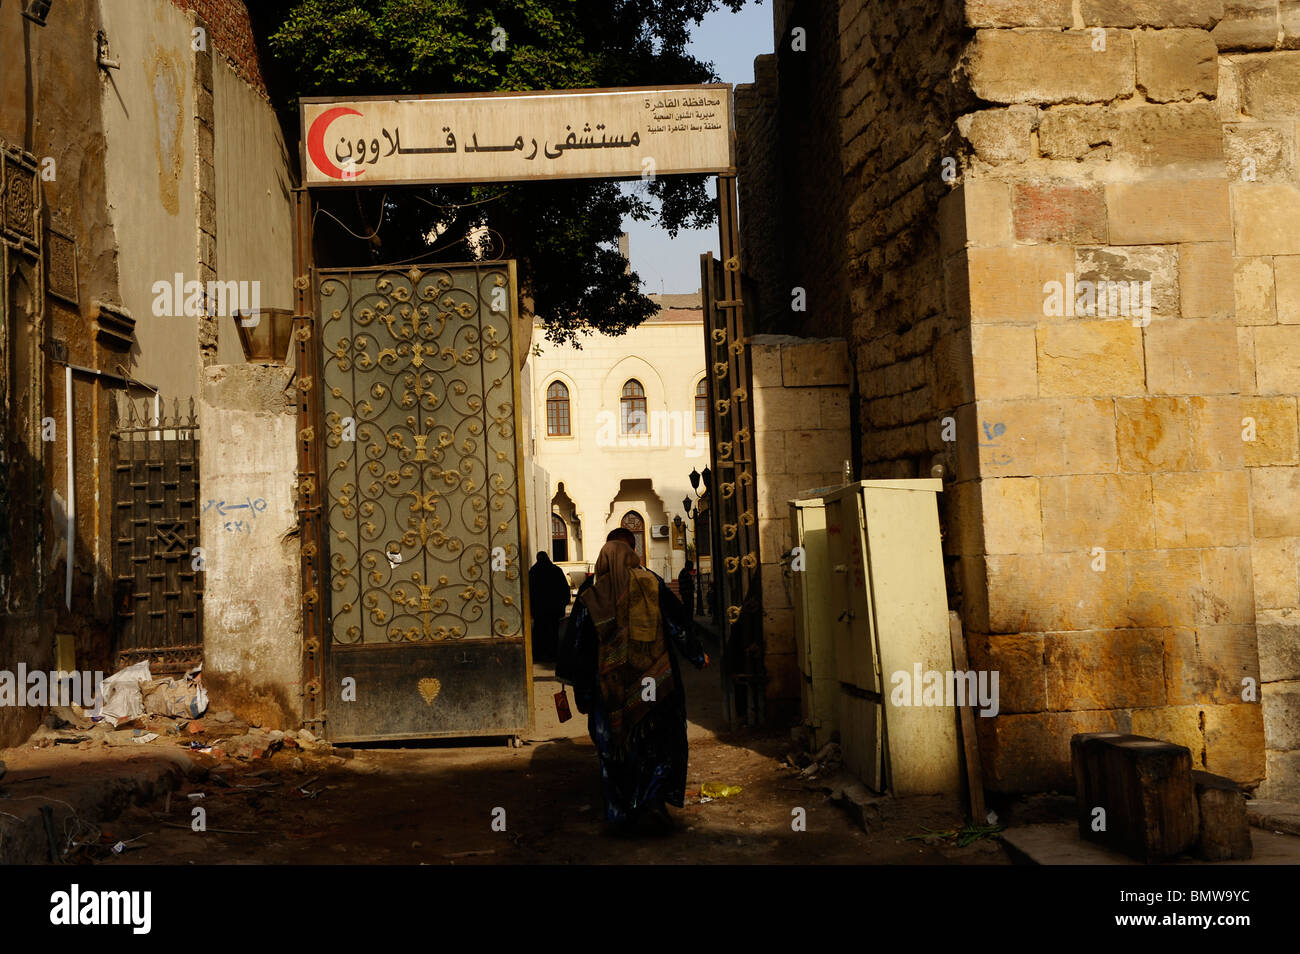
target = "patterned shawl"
x: 624, y: 607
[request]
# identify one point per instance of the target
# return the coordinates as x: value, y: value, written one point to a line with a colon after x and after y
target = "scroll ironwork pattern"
x: 421, y: 468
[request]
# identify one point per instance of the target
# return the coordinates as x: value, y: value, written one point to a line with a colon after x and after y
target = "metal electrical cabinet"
x: 889, y: 610
x: 819, y: 685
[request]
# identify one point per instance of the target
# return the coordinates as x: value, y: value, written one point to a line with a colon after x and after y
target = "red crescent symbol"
x: 316, y: 143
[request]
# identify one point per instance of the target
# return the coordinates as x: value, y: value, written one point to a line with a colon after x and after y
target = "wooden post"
x: 970, y: 744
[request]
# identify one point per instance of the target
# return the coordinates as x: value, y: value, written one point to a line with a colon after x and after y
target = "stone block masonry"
x: 1119, y: 517
x: 801, y: 438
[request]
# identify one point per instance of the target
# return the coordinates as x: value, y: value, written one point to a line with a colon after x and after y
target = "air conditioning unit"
x: 659, y: 532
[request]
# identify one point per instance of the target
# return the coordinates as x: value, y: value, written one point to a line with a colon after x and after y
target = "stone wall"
x: 1111, y: 506
x: 1120, y: 519
x: 1258, y: 100
x: 801, y: 438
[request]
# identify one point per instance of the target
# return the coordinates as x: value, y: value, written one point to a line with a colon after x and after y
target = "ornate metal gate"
x: 422, y: 521
x: 158, y: 583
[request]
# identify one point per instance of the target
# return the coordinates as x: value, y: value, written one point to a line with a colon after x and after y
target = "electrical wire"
x: 463, y: 205
x: 383, y: 205
x: 432, y: 251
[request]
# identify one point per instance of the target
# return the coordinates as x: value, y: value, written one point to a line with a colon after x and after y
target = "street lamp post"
x: 701, y: 505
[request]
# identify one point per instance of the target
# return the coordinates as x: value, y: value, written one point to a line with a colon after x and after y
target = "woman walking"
x: 620, y: 657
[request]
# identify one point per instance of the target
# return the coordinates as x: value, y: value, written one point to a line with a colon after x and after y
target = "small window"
x: 633, y: 409
x: 702, y: 407
x: 557, y: 410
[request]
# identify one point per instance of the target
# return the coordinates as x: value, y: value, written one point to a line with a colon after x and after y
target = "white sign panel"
x: 495, y: 137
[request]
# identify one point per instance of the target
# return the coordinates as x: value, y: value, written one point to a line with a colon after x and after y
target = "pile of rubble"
x: 133, y: 708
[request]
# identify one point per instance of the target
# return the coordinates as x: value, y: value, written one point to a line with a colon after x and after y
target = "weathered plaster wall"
x: 253, y: 213
x: 149, y: 107
x: 252, y: 620
x: 62, y: 129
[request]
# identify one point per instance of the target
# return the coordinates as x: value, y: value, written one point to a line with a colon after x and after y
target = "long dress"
x: 650, y: 770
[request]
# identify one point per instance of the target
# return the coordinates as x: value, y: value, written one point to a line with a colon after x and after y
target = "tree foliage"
x: 564, y: 233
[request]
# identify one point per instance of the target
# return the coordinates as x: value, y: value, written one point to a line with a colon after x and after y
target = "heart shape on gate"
x: 429, y: 689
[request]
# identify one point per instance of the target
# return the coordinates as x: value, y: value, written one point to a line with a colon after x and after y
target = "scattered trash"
x: 712, y: 790
x: 298, y: 765
x: 200, y: 747
x: 176, y: 698
x: 826, y: 762
x: 146, y: 737
x: 196, y: 796
x: 992, y: 817
x: 961, y: 837
x: 72, y: 716
x: 119, y: 698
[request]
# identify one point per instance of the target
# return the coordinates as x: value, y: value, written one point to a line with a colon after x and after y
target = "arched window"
x: 557, y: 410
x: 702, y: 407
x: 632, y: 408
x: 634, y: 522
x: 559, y: 539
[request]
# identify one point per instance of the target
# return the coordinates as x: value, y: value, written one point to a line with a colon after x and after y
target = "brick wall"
x: 230, y: 33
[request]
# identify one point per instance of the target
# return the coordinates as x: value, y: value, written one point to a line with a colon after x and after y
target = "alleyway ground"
x: 433, y: 804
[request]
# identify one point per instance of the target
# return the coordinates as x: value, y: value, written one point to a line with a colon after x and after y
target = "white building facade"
x: 616, y: 427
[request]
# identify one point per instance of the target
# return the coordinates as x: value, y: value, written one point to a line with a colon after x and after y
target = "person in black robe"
x: 686, y: 588
x: 548, y: 598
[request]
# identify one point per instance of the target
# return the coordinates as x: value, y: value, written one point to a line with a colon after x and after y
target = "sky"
x: 730, y: 41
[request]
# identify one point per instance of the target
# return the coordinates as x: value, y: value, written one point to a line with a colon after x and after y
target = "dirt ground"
x: 436, y: 804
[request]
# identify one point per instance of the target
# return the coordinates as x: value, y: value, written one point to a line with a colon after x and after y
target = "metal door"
x: 158, y: 581
x: 425, y: 631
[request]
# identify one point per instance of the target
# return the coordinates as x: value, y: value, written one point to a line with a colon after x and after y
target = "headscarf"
x: 624, y: 608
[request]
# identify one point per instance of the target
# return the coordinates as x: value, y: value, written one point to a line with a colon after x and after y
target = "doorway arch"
x: 634, y: 522
x: 559, y: 539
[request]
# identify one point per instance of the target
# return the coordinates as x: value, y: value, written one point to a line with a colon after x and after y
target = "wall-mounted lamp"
x: 105, y: 63
x: 37, y: 10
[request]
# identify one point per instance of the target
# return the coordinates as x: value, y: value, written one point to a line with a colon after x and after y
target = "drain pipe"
x: 72, y: 486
